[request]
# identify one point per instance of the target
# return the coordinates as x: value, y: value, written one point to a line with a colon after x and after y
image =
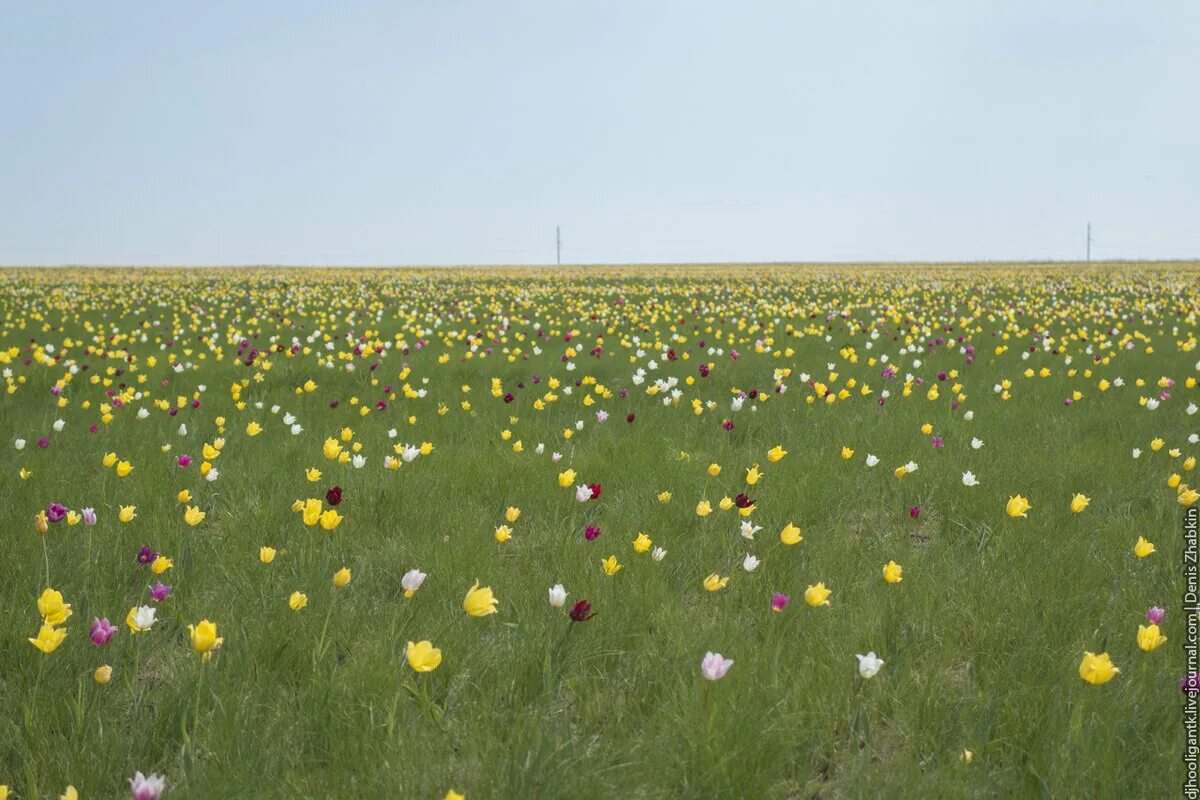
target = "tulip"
x: 817, y: 595
x: 1149, y: 638
x: 56, y: 512
x: 714, y: 666
x: 144, y: 787
x: 703, y: 508
x: 868, y: 665
x: 412, y: 581
x: 658, y: 554
x: 642, y: 543
x: 558, y: 595
x: 334, y: 496
x: 193, y: 516
x: 423, y: 656
x: 1143, y: 548
x: 583, y: 493
x: 779, y: 601
x: 52, y: 608
x: 582, y: 611
x: 103, y: 674
x: 610, y: 565
x: 1079, y: 503
x: 591, y: 532
x: 297, y: 601
x: 1017, y: 506
x: 102, y: 631
x: 49, y: 638
x: 89, y: 516
x: 847, y: 454
x: 512, y: 514
x: 127, y: 513
x: 204, y: 638
x: 790, y: 535
x: 1155, y: 615
x: 714, y: 582
x: 146, y: 555
x: 140, y: 619
x: 1097, y: 669
x: 330, y: 519
x: 893, y: 572
x: 159, y: 592
x: 40, y: 523
x: 750, y: 563
x: 161, y: 564
x: 776, y: 453
x: 341, y: 578
x: 480, y: 602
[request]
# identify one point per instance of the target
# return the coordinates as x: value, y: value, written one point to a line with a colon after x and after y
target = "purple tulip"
x: 184, y: 461
x: 1156, y: 614
x: 591, y: 532
x: 159, y: 592
x: 914, y: 512
x: 146, y: 555
x: 779, y: 601
x: 56, y: 512
x: 89, y: 516
x: 102, y: 631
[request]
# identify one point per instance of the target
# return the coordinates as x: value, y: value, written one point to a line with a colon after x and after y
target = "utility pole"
x: 1089, y: 242
x: 558, y: 247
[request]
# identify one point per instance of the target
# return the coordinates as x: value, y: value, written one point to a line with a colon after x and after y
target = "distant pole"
x: 1089, y: 242
x: 558, y: 244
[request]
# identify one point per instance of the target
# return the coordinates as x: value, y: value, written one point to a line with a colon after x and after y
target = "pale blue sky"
x: 446, y: 132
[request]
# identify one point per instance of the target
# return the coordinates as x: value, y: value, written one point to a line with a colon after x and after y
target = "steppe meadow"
x: 768, y: 532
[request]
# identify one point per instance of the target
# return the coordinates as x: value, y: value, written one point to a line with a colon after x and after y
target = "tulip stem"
x: 46, y: 558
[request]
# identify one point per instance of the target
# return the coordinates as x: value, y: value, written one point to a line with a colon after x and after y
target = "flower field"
x: 697, y: 532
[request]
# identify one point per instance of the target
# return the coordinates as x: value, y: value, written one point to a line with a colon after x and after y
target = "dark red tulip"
x: 591, y: 532
x: 334, y: 496
x: 582, y: 611
x: 595, y: 487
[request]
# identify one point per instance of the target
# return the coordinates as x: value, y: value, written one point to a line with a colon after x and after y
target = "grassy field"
x: 1044, y: 382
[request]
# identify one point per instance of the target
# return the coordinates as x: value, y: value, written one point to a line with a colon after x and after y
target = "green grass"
x: 982, y: 639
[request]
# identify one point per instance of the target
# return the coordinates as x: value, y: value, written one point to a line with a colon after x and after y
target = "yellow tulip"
x: 49, y: 638
x: 204, y: 638
x: 713, y: 582
x: 503, y: 533
x: 1097, y: 669
x: 566, y: 479
x: 1149, y: 638
x: 817, y: 595
x: 330, y: 519
x: 253, y: 429
x: 1017, y: 506
x: 124, y: 468
x: 642, y: 543
x: 848, y: 454
x: 776, y: 453
x: 127, y: 513
x: 1079, y: 503
x: 703, y: 508
x: 423, y: 656
x: 313, y: 474
x: 753, y: 476
x: 893, y: 572
x: 311, y: 511
x: 183, y: 497
x: 714, y: 470
x: 341, y: 578
x: 266, y: 554
x: 610, y: 565
x: 1143, y: 548
x: 664, y: 497
x: 161, y: 564
x: 193, y: 516
x: 480, y: 602
x: 790, y: 535
x: 102, y: 676
x: 512, y: 514
x: 52, y: 608
x: 297, y: 601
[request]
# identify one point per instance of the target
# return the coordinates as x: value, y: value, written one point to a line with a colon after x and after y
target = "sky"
x: 298, y: 132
